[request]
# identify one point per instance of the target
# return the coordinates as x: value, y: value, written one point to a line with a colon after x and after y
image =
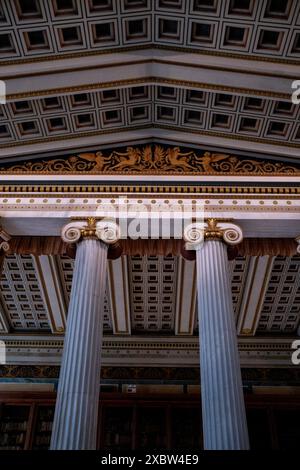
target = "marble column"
x: 4, y: 246
x: 223, y: 408
x: 76, y: 411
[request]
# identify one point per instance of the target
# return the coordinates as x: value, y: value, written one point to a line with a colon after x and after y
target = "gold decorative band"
x: 154, y: 160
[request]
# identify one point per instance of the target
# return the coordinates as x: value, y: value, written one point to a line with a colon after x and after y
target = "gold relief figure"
x: 129, y: 160
x: 208, y: 158
x: 98, y: 158
x: 177, y: 160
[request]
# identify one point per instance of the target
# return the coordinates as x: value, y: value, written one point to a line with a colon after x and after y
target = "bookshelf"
x: 43, y: 427
x: 151, y: 427
x: 117, y: 428
x: 13, y: 426
x: 128, y: 422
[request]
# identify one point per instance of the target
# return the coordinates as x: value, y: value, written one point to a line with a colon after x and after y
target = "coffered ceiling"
x: 191, y: 110
x: 35, y: 28
x: 153, y: 295
x: 104, y: 72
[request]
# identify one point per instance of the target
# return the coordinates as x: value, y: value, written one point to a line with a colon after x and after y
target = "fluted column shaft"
x: 76, y: 412
x: 223, y: 408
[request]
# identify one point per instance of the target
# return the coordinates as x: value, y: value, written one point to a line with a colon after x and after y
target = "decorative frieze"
x: 251, y: 376
x: 147, y: 351
x: 154, y: 160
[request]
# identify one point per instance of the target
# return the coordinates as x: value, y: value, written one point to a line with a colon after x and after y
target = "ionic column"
x: 223, y: 408
x: 76, y: 411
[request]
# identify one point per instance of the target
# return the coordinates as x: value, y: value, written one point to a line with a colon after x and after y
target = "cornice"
x: 259, y: 352
x: 152, y: 61
x: 137, y: 342
x: 163, y: 375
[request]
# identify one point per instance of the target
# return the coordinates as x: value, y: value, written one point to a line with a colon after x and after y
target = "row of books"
x: 13, y: 426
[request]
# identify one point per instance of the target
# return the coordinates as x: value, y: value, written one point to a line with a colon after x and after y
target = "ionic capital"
x: 298, y: 241
x: 4, y: 239
x: 105, y: 230
x: 211, y: 229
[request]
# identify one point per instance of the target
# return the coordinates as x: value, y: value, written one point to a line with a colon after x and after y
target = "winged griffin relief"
x: 129, y: 160
x: 97, y: 158
x: 154, y: 159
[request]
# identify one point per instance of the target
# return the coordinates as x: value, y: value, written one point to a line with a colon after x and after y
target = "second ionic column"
x: 223, y: 409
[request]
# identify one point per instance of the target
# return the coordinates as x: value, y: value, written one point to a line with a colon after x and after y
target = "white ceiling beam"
x: 51, y: 291
x: 258, y: 276
x: 241, y: 64
x: 118, y: 292
x: 166, y: 135
x: 186, y: 297
x: 119, y: 69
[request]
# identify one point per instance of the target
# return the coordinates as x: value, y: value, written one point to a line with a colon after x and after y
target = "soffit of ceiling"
x: 105, y: 101
x: 144, y: 295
